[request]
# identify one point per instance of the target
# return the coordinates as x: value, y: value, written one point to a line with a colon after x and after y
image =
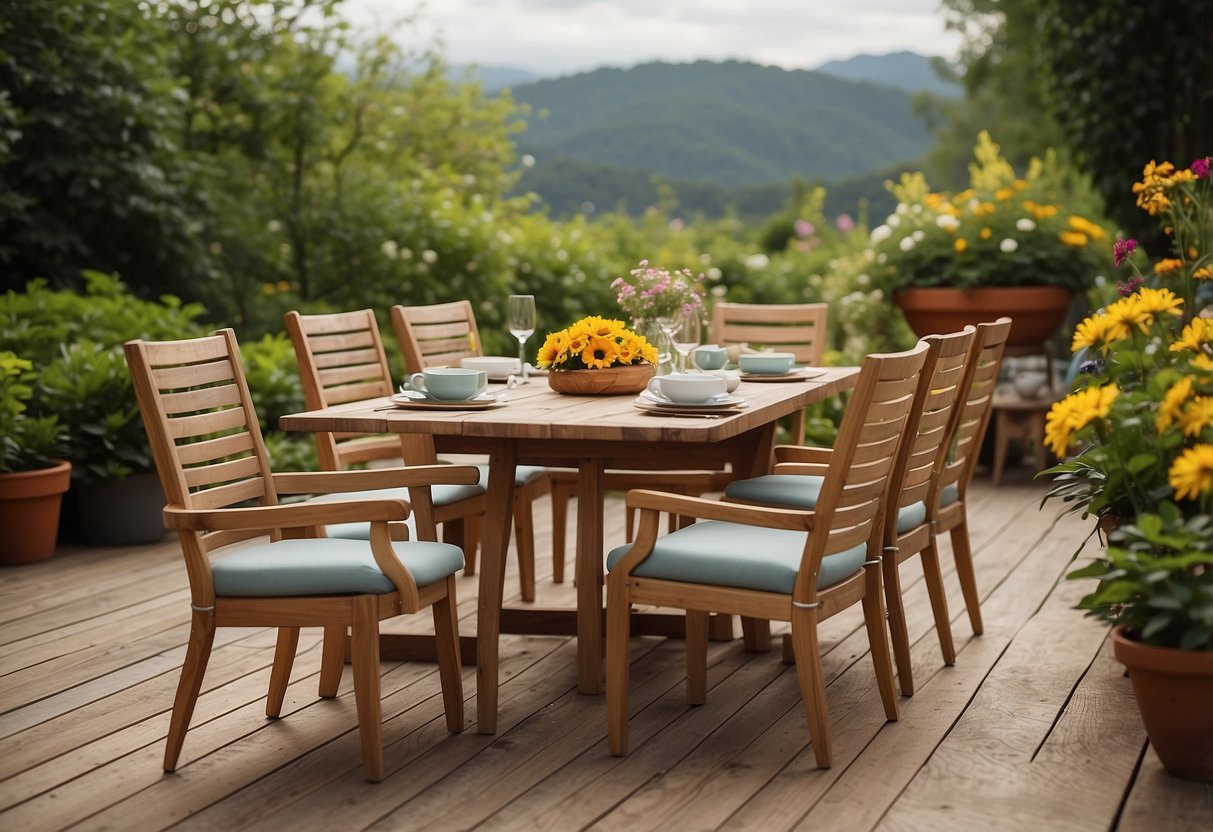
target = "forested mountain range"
x: 720, y: 133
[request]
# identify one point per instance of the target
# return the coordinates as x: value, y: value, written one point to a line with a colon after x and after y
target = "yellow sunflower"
x: 1151, y: 302
x: 1194, y: 336
x: 1191, y: 473
x: 1172, y: 404
x: 554, y: 350
x: 602, y: 327
x: 1127, y: 312
x: 1075, y: 412
x: 599, y: 352
x: 1099, y: 332
x: 1197, y: 415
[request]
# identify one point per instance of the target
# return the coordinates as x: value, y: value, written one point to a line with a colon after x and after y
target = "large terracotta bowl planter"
x: 1036, y: 312
x: 606, y: 382
x: 29, y: 512
x: 1174, y: 690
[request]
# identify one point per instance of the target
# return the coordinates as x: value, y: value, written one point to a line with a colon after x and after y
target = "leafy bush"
x: 273, y: 378
x: 28, y: 442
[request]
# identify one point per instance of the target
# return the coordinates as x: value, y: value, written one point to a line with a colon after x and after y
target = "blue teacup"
x: 450, y: 384
x: 710, y: 357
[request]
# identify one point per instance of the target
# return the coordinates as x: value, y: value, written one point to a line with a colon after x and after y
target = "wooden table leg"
x: 590, y: 484
x: 494, y: 544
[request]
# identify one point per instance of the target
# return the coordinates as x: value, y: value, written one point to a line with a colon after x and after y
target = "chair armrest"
x: 704, y: 509
x: 285, y: 517
x: 803, y: 453
x: 812, y: 469
x: 328, y: 482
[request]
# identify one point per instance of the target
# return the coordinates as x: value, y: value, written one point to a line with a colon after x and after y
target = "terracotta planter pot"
x: 609, y: 382
x: 1174, y: 690
x: 1036, y: 312
x: 29, y: 512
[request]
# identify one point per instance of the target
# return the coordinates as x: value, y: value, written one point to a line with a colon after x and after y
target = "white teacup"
x: 688, y: 388
x: 452, y: 384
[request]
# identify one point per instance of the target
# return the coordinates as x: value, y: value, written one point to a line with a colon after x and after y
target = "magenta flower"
x: 1122, y: 250
x: 1201, y: 168
x: 844, y: 223
x: 1130, y: 286
x: 803, y: 228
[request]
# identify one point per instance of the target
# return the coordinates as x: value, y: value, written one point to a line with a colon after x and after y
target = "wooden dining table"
x: 536, y: 426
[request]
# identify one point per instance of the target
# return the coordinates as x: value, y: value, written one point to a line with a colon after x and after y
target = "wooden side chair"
x: 798, y: 328
x: 341, y: 359
x: 212, y: 463
x: 774, y: 564
x: 947, y: 496
x: 799, y: 471
x: 441, y: 334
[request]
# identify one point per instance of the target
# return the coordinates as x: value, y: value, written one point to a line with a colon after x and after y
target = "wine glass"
x: 685, y: 337
x: 520, y: 314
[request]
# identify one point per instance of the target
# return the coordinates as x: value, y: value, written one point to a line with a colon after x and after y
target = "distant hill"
x: 723, y: 135
x: 908, y: 71
x: 493, y: 78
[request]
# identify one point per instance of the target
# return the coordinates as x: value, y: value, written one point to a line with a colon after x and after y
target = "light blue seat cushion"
x: 441, y: 494
x: 801, y: 491
x: 523, y: 474
x: 326, y: 567
x: 737, y: 555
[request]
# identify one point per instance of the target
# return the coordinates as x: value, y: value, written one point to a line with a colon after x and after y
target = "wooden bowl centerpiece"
x: 597, y: 357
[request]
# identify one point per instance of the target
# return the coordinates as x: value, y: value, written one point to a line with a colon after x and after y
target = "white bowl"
x: 766, y: 363
x: 732, y: 378
x: 495, y: 366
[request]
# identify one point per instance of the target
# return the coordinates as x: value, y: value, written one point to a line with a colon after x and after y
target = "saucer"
x: 795, y: 374
x: 415, y: 400
x: 725, y: 401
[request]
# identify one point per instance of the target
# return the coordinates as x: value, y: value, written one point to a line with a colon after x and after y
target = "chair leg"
x: 280, y: 673
x: 560, y: 519
x: 455, y: 532
x: 966, y: 573
x: 617, y: 664
x: 524, y: 542
x: 897, y: 620
x: 878, y: 640
x: 933, y: 576
x: 364, y: 647
x: 332, y: 660
x: 446, y: 631
x: 756, y: 634
x: 697, y: 657
x: 197, y: 654
x: 812, y: 681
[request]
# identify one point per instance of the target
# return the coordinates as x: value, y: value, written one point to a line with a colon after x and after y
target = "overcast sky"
x: 552, y: 37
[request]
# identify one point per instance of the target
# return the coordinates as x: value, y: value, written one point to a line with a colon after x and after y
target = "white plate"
x: 408, y: 402
x: 713, y: 411
x: 724, y: 402
x: 496, y: 367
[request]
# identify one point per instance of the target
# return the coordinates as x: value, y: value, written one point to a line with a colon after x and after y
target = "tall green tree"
x: 89, y: 174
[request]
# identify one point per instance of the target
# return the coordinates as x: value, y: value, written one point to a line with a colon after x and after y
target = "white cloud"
x: 567, y: 36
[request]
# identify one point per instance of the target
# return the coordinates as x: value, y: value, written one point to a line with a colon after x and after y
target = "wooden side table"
x: 1016, y: 417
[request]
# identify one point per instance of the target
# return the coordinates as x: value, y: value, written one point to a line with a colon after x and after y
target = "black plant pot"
x: 124, y: 512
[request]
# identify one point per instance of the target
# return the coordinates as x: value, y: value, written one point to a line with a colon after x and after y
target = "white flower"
x: 947, y: 222
x: 893, y: 220
x: 714, y: 274
x: 906, y: 243
x: 390, y: 250
x: 429, y: 256
x: 757, y: 261
x: 863, y: 280
x: 881, y: 233
x: 902, y: 208
x: 918, y: 235
x: 1008, y: 245
x: 1025, y: 224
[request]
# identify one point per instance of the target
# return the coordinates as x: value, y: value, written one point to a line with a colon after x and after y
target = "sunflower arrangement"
x: 595, y: 343
x: 1141, y: 415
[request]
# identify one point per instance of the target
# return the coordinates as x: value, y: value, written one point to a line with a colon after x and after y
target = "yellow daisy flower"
x: 960, y: 245
x: 1085, y: 226
x: 1128, y: 312
x: 1075, y: 412
x: 1152, y: 302
x: 1197, y: 415
x: 1172, y: 405
x: 1191, y: 473
x: 1073, y: 238
x: 1003, y: 194
x: 1202, y: 362
x: 599, y: 352
x: 1203, y: 273
x: 1194, y: 336
x: 986, y: 233
x: 1099, y: 332
x: 1168, y: 264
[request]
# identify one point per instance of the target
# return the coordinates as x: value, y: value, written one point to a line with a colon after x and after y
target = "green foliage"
x: 1156, y: 579
x: 273, y: 378
x: 91, y: 175
x: 28, y: 442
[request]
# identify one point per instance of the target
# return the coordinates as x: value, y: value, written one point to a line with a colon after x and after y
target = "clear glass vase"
x: 655, y: 335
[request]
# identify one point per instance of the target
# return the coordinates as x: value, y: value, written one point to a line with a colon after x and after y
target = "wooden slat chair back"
x: 213, y: 466
x: 798, y: 328
x: 774, y: 564
x: 949, y: 488
x: 341, y: 359
x: 439, y: 335
x: 436, y: 335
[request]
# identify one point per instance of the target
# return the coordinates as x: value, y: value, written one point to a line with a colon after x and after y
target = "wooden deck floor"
x: 1033, y: 729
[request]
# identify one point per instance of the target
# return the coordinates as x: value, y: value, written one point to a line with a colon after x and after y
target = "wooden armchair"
x: 798, y: 328
x: 212, y: 464
x: 799, y: 470
x: 774, y: 564
x: 440, y: 335
x: 341, y: 359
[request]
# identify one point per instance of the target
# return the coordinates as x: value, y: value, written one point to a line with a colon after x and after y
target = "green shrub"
x: 28, y: 442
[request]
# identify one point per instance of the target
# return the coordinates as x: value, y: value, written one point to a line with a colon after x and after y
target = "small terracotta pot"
x: 606, y: 382
x: 1174, y: 690
x: 29, y: 512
